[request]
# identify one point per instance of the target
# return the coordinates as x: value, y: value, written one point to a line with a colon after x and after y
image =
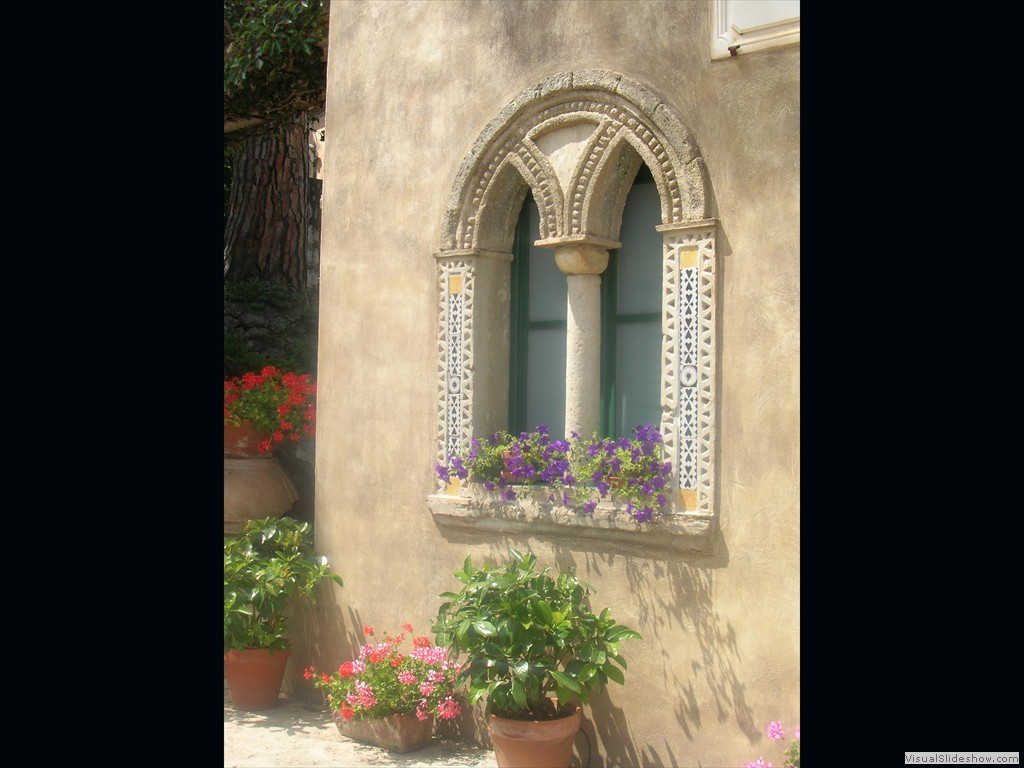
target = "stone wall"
x: 412, y: 88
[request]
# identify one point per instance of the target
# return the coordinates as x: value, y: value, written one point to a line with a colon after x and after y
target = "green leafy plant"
x: 270, y: 563
x: 274, y: 60
x: 280, y: 404
x: 578, y: 472
x: 382, y: 681
x: 534, y: 647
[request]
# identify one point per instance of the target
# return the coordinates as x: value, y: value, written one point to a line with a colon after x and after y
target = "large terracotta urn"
x: 255, y: 484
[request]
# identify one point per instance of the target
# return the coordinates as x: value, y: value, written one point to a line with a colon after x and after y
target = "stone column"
x: 582, y: 261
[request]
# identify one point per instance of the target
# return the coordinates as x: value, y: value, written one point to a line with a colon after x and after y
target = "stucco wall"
x: 411, y: 86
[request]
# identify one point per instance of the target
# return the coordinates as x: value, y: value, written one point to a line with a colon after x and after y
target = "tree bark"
x: 266, y: 229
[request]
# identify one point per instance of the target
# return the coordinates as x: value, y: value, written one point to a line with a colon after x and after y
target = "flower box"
x: 397, y: 733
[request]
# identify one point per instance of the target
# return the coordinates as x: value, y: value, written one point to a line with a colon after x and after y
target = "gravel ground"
x: 298, y: 733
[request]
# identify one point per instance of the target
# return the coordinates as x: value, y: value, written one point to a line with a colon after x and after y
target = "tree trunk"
x: 266, y: 229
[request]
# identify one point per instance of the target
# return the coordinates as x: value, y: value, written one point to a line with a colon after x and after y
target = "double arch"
x: 629, y: 125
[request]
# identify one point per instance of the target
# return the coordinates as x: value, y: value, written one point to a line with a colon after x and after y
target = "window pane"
x: 632, y: 374
x: 548, y: 286
x: 537, y: 362
x: 545, y: 380
x: 638, y: 375
x: 639, y: 261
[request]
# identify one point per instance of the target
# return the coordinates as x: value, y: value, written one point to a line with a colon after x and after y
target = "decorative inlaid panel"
x: 689, y: 359
x: 455, y: 356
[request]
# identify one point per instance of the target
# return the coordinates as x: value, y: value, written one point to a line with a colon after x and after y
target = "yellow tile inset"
x: 688, y: 498
x: 453, y: 487
x: 688, y: 257
x: 455, y: 284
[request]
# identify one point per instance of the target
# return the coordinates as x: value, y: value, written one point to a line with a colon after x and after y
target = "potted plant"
x: 270, y: 564
x: 266, y: 408
x: 577, y: 471
x: 535, y: 651
x: 261, y: 412
x: 388, y: 697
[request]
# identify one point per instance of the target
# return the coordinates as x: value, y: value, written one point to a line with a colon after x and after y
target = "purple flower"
x: 589, y: 506
x: 644, y: 515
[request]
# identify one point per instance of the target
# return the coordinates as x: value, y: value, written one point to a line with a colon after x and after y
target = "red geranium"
x: 279, y: 404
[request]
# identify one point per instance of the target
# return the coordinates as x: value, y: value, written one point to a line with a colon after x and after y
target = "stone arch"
x: 584, y: 197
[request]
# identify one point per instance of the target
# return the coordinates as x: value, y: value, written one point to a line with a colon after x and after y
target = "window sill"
x: 480, y: 511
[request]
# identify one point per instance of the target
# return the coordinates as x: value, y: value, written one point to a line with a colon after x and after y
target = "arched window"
x: 610, y: 320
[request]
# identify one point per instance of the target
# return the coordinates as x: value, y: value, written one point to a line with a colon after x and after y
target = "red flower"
x: 347, y: 712
x: 421, y: 642
x: 345, y: 670
x: 367, y: 630
x: 407, y: 627
x: 397, y: 660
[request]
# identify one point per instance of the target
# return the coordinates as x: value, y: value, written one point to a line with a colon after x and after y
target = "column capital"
x: 580, y: 255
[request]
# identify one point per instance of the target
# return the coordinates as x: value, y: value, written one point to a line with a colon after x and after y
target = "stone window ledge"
x: 532, y: 514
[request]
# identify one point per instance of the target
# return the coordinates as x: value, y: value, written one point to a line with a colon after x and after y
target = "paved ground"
x: 298, y: 733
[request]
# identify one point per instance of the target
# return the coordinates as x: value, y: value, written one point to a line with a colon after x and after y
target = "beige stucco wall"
x: 411, y: 87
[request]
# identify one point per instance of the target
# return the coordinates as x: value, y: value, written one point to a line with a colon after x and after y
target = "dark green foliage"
x: 530, y: 638
x: 263, y: 293
x: 274, y: 57
x: 227, y: 181
x: 286, y: 337
x: 270, y: 563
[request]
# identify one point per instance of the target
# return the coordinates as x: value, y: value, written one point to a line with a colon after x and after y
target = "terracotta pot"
x: 254, y: 677
x: 397, y: 733
x: 254, y: 489
x: 534, y: 743
x: 241, y: 442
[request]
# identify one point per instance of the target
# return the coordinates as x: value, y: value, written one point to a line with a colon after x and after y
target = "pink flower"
x: 448, y: 708
x: 407, y: 677
x: 362, y: 696
x: 430, y: 654
x: 797, y: 734
x: 759, y: 763
x: 426, y: 688
x: 775, y: 731
x: 421, y: 711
